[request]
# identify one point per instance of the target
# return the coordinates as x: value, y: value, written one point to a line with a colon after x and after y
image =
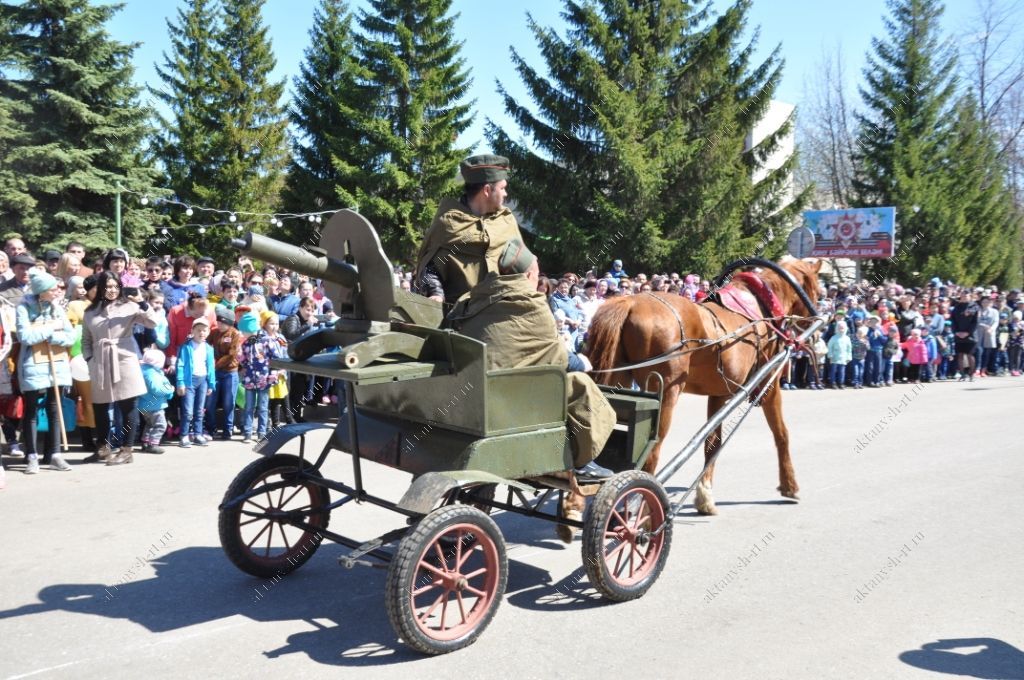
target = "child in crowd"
x: 820, y: 350
x: 1015, y: 343
x: 154, y: 401
x: 228, y: 295
x: 196, y: 378
x: 859, y: 352
x: 226, y: 342
x: 840, y: 351
x: 256, y: 375
x: 891, y: 354
x: 277, y: 395
x: 927, y: 375
x: 874, y: 373
x: 916, y: 353
x: 948, y: 350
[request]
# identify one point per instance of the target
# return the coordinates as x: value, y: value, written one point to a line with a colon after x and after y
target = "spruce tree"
x: 184, y: 142
x: 16, y: 204
x: 329, y: 154
x: 87, y: 125
x: 983, y: 210
x: 417, y: 82
x: 904, y: 138
x: 639, y: 134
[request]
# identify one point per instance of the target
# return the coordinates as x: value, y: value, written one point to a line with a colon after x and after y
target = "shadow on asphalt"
x: 995, y: 660
x: 198, y: 585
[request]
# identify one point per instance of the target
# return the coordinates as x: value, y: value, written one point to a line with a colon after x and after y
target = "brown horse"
x: 631, y: 329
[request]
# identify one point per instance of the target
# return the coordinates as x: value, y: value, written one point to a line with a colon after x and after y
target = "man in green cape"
x: 505, y: 311
x: 467, y: 236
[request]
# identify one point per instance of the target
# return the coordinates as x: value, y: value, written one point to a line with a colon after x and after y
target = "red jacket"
x: 180, y: 326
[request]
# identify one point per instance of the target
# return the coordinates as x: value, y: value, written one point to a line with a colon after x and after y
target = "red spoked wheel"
x: 626, y: 535
x: 259, y: 535
x: 447, y: 579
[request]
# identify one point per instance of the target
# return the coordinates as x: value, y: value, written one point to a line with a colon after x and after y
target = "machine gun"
x: 357, y: 278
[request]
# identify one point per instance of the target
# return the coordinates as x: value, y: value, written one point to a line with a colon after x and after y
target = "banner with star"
x: 856, y: 233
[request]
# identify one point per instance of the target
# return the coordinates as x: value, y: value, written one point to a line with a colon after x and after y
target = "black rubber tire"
x: 615, y: 494
x: 473, y: 529
x: 230, y: 521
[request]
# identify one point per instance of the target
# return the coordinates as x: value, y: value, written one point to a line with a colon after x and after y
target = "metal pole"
x: 117, y: 214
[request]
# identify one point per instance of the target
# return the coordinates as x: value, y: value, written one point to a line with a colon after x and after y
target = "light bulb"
x: 188, y: 212
x: 311, y: 218
x: 202, y: 230
x: 319, y: 219
x: 164, y: 231
x: 144, y: 200
x: 273, y: 220
x: 231, y: 217
x: 239, y: 227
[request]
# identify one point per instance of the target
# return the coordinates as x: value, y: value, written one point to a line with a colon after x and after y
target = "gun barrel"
x: 297, y: 259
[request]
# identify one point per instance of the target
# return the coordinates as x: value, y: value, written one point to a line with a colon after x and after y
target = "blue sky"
x: 805, y: 28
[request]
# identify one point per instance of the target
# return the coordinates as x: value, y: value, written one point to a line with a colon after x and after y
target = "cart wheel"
x: 271, y: 546
x: 625, y: 535
x: 447, y: 579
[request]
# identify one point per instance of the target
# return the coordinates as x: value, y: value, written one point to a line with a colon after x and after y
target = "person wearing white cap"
x: 45, y: 334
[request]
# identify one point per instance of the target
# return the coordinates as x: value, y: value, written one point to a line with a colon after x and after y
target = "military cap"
x: 23, y: 259
x: 516, y: 258
x: 51, y: 255
x: 484, y: 169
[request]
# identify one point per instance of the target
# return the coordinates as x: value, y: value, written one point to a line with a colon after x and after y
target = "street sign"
x: 801, y: 242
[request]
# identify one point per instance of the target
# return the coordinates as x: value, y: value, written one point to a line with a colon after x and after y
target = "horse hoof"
x: 789, y: 494
x: 707, y: 510
x: 566, y: 532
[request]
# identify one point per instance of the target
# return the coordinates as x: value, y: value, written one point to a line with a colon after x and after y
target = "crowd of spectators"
x: 177, y: 350
x: 878, y: 334
x: 154, y: 351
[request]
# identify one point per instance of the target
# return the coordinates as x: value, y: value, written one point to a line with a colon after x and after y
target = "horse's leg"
x: 772, y: 405
x: 668, y: 407
x: 573, y: 504
x: 704, y: 501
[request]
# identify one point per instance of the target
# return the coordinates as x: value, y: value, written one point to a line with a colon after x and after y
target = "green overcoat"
x: 508, y: 314
x: 465, y: 247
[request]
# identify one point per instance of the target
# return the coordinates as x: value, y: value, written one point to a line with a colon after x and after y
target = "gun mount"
x: 358, y: 279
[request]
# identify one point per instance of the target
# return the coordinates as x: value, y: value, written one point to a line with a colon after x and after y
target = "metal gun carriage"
x: 420, y: 398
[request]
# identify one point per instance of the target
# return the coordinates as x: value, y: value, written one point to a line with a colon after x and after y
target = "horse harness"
x: 770, y: 308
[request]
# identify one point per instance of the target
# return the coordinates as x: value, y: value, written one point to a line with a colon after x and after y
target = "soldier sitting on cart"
x: 505, y: 311
x: 467, y: 235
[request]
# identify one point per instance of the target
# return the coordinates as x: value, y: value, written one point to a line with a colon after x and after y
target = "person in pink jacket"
x: 917, y: 353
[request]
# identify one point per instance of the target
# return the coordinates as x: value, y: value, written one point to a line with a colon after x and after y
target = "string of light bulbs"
x: 190, y: 209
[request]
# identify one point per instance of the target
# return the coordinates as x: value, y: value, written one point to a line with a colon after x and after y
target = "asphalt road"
x: 118, y: 572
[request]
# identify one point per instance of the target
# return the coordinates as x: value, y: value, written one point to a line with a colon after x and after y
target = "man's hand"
x: 180, y: 390
x: 436, y: 298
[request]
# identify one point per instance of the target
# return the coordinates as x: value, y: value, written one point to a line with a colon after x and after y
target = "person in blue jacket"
x: 46, y: 335
x: 196, y: 380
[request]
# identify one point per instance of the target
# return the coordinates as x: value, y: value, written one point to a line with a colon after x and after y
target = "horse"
x: 631, y: 329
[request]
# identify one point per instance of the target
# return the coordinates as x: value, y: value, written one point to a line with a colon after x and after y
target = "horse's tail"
x: 604, y: 334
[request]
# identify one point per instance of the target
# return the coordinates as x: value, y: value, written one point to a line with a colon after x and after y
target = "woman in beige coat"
x: 113, y: 357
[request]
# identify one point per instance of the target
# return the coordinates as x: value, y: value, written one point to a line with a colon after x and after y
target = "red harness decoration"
x: 764, y: 294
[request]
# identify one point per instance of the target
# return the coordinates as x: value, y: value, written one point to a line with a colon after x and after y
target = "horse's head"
x: 805, y: 272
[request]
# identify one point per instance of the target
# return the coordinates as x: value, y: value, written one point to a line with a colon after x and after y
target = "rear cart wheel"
x: 447, y: 579
x: 626, y: 535
x: 258, y: 535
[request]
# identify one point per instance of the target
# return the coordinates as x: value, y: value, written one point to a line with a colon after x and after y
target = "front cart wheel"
x: 259, y: 535
x: 626, y: 535
x: 447, y: 579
